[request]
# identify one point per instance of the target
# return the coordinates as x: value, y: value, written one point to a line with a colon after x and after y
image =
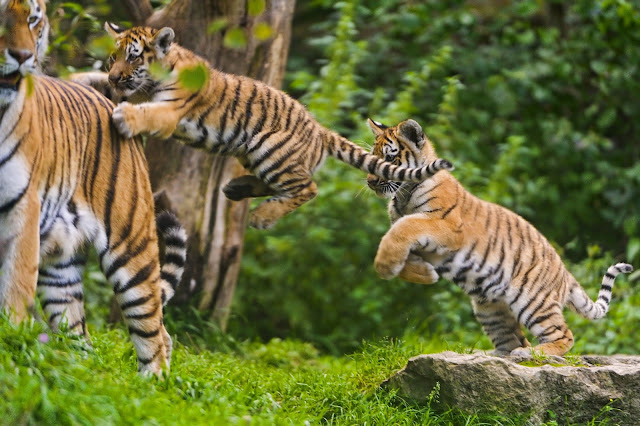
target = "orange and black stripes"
x: 68, y: 180
x: 512, y: 273
x: 272, y: 135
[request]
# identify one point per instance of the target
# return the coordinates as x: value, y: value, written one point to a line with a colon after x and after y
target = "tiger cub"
x: 68, y: 180
x: 271, y: 134
x: 512, y: 274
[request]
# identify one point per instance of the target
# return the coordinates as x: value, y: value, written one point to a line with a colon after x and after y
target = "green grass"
x: 66, y: 381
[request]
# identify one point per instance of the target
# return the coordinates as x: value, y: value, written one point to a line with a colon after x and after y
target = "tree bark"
x: 191, y: 180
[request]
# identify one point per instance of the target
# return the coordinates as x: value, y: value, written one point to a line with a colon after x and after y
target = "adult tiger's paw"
x: 124, y: 118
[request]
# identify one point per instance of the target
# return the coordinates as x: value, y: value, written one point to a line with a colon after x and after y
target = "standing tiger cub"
x: 512, y: 273
x: 271, y: 134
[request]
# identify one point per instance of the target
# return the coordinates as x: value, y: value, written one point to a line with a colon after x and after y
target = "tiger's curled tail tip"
x: 624, y: 268
x: 446, y: 165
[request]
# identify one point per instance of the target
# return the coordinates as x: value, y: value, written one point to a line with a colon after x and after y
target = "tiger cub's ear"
x: 411, y: 131
x: 162, y: 40
x: 112, y: 29
x: 376, y: 128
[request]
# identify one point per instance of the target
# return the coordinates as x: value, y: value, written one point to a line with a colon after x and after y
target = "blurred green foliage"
x: 535, y: 105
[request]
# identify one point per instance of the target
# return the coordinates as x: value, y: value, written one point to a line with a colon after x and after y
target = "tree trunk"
x: 191, y: 180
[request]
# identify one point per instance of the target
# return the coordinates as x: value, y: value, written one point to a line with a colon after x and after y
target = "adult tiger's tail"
x: 174, y: 236
x: 345, y: 150
x: 581, y: 302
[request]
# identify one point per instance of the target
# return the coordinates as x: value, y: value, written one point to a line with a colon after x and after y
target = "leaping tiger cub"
x: 512, y: 273
x: 68, y: 180
x: 271, y: 134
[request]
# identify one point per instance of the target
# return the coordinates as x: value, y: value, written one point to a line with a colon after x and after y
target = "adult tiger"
x: 67, y: 180
x: 512, y: 273
x: 271, y: 134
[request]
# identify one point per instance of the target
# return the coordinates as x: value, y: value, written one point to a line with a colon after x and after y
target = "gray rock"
x: 480, y: 383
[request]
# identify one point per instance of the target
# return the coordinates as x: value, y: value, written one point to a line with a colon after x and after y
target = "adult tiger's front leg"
x: 20, y: 239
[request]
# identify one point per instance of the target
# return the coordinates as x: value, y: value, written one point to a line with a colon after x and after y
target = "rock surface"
x: 481, y: 383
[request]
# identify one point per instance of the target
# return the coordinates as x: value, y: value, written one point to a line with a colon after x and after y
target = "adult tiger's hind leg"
x: 501, y: 326
x: 61, y: 295
x: 135, y: 280
x: 292, y: 194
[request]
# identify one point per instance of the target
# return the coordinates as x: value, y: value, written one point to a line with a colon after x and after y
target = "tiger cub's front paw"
x: 124, y: 118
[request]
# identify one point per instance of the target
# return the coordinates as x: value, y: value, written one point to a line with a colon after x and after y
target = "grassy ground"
x: 58, y: 379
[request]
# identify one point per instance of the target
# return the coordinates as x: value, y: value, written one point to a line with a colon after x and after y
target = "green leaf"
x: 217, y: 25
x: 158, y: 71
x: 633, y: 249
x: 30, y: 84
x: 255, y: 7
x: 101, y: 47
x: 194, y: 78
x: 263, y: 31
x: 235, y: 38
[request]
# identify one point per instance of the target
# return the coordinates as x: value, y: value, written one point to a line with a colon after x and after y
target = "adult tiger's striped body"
x: 69, y: 180
x: 512, y: 273
x: 271, y: 134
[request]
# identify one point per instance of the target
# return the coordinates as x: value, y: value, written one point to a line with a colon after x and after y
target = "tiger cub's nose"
x: 373, y: 181
x: 115, y: 78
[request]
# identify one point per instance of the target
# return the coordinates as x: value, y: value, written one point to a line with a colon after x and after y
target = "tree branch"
x: 140, y: 10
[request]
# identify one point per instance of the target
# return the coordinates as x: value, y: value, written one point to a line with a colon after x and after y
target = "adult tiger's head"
x: 403, y: 145
x: 24, y: 34
x: 136, y: 49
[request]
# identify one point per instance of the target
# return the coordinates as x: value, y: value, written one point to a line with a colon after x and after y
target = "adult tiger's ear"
x: 112, y: 29
x: 411, y: 131
x: 376, y: 128
x: 162, y: 40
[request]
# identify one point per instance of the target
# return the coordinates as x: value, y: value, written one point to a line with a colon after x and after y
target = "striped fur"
x: 272, y: 135
x: 512, y: 273
x: 69, y: 181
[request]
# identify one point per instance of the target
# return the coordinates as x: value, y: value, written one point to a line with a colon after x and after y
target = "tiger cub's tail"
x: 174, y: 236
x: 345, y: 150
x: 581, y: 302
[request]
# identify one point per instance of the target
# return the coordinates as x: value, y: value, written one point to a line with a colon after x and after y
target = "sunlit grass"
x: 59, y: 379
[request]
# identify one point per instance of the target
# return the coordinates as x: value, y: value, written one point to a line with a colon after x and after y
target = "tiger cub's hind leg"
x: 553, y: 335
x: 292, y: 194
x: 501, y: 326
x: 61, y: 295
x: 417, y: 270
x: 247, y: 186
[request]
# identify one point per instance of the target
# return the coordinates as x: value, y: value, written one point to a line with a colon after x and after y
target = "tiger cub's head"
x: 403, y: 145
x: 136, y: 49
x: 24, y: 34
